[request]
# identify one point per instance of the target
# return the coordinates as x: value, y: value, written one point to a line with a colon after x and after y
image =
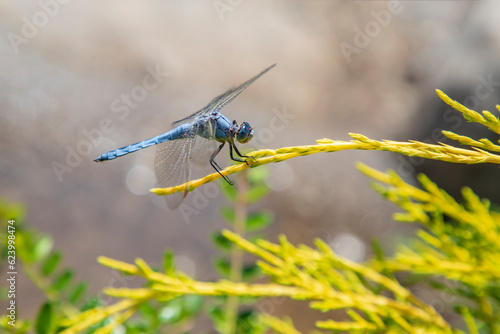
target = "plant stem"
x: 241, y: 212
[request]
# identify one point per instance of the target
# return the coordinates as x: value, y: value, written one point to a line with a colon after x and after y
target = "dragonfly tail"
x: 132, y: 148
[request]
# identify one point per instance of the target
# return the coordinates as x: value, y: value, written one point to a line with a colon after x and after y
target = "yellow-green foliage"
x: 42, y: 265
x: 466, y: 250
x: 318, y: 275
x: 460, y: 243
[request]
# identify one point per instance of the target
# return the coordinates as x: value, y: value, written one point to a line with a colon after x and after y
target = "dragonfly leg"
x: 232, y: 145
x: 216, y: 166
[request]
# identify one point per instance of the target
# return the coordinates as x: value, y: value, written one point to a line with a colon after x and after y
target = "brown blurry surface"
x: 63, y: 80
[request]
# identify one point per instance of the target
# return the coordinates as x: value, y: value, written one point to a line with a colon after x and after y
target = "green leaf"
x: 46, y: 319
x: 42, y: 248
x: 63, y: 280
x: 377, y: 250
x: 222, y: 266
x: 168, y: 262
x: 218, y: 319
x: 193, y: 304
x: 134, y: 328
x: 249, y: 322
x: 248, y: 300
x: 91, y: 303
x: 253, y: 239
x: 148, y: 312
x: 26, y: 243
x: 250, y: 272
x: 493, y: 290
x: 180, y: 309
x: 228, y: 214
x: 257, y: 192
x: 259, y: 220
x: 221, y: 242
x: 51, y: 263
x: 257, y: 175
x: 78, y: 292
x: 15, y: 211
x: 228, y: 190
x: 171, y: 313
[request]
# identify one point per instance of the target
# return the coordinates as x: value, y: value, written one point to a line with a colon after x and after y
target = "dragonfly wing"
x: 203, y: 149
x: 191, y: 118
x: 204, y: 146
x: 222, y: 100
x: 173, y: 166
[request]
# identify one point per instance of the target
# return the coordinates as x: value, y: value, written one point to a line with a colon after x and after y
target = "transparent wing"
x: 221, y: 101
x: 173, y: 158
x: 204, y: 146
x: 203, y: 149
x: 173, y: 165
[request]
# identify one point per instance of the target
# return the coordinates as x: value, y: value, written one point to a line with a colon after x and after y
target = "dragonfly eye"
x: 244, y: 133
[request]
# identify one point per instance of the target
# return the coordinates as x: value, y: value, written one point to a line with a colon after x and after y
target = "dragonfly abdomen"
x: 173, y: 134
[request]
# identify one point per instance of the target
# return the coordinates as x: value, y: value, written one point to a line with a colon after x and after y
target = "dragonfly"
x: 197, y: 138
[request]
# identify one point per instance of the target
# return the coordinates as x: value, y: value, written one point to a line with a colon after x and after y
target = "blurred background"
x: 80, y: 78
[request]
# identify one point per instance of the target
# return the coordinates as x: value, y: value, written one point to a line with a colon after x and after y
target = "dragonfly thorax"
x: 244, y: 133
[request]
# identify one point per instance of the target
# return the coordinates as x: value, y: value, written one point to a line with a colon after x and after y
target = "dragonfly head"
x: 244, y: 133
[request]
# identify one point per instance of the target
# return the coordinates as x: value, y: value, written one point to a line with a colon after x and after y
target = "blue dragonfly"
x: 198, y: 138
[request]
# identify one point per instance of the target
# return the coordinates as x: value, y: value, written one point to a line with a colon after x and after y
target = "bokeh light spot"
x: 349, y: 246
x: 140, y: 179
